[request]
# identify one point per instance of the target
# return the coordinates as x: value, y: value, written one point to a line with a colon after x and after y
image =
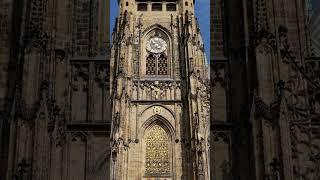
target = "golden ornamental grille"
x: 157, y: 152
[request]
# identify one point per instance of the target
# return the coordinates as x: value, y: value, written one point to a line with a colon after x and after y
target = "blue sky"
x: 202, y: 11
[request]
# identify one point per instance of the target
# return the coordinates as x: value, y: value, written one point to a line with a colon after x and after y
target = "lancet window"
x: 157, y: 64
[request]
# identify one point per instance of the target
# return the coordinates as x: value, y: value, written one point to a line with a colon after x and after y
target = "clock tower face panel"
x: 156, y: 45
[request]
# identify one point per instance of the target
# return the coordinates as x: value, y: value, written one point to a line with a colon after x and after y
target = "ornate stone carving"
x: 156, y: 90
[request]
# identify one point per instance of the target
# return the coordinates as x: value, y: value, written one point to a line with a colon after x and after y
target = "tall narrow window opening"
x: 162, y: 65
x: 151, y: 65
x: 157, y: 152
x: 157, y: 64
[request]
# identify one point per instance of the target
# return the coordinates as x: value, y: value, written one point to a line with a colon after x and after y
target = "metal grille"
x: 157, y: 152
x: 162, y: 65
x: 151, y: 65
x: 157, y: 65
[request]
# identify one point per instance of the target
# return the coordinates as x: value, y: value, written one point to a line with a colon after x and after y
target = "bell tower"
x: 160, y: 92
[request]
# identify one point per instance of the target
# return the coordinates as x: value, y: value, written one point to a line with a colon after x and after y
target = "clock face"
x: 156, y: 45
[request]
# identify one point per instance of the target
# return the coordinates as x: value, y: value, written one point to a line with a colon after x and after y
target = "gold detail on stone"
x: 156, y: 109
x: 157, y: 152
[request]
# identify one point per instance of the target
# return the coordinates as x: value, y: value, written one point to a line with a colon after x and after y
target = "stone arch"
x: 161, y: 121
x: 160, y: 105
x: 163, y: 29
x: 166, y: 116
x: 150, y: 68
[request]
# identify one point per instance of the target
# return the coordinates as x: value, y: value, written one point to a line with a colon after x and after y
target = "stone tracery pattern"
x: 162, y: 65
x: 151, y: 65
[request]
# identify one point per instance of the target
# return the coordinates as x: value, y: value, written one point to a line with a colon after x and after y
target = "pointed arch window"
x: 157, y: 152
x: 157, y: 64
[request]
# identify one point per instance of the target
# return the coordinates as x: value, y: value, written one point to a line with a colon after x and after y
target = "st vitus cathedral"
x: 71, y: 108
x: 160, y: 93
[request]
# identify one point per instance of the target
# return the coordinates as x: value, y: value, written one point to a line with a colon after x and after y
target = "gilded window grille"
x: 157, y: 152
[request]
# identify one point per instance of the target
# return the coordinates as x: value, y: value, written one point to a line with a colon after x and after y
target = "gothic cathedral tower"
x: 160, y: 92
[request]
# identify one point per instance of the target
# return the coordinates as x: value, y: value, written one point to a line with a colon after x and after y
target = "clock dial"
x: 156, y: 45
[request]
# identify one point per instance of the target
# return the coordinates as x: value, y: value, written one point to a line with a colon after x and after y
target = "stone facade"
x: 170, y: 103
x: 58, y: 121
x: 264, y: 119
x: 54, y: 89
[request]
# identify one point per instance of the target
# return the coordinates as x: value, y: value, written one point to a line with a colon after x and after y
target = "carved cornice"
x: 156, y: 89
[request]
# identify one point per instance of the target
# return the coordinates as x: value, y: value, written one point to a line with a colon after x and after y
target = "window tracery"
x: 157, y: 152
x: 156, y: 61
x: 151, y: 65
x: 157, y: 64
x: 162, y: 65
